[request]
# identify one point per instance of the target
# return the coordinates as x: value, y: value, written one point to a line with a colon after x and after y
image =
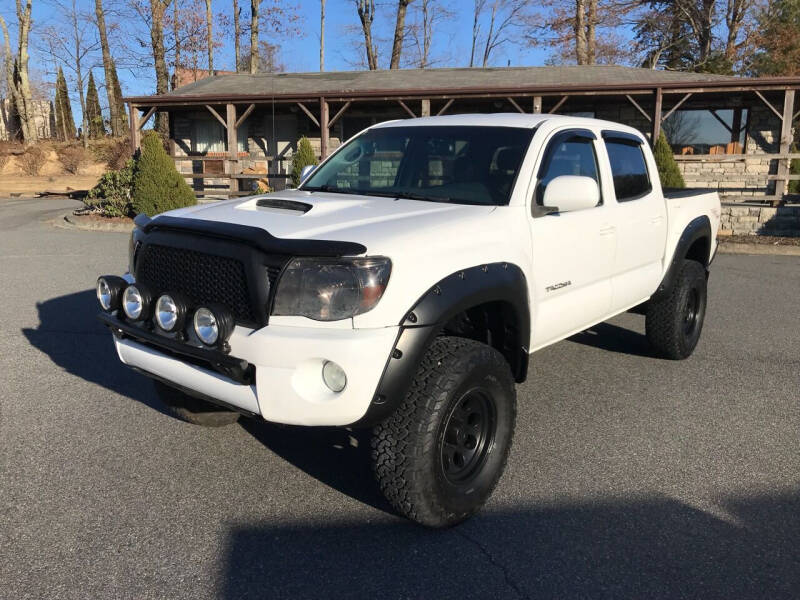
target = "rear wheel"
x: 674, y: 323
x: 193, y: 410
x: 440, y: 455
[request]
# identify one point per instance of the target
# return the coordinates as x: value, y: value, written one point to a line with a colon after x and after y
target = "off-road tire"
x: 416, y: 465
x: 674, y: 323
x: 193, y: 410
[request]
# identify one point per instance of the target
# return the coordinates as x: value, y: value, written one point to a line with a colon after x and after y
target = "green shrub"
x: 667, y: 167
x: 112, y: 194
x: 157, y: 185
x: 304, y: 156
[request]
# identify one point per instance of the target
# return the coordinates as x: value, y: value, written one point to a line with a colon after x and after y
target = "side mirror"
x: 571, y: 192
x: 305, y: 172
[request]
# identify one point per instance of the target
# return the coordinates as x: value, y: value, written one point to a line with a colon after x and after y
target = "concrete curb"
x: 70, y: 221
x: 770, y: 249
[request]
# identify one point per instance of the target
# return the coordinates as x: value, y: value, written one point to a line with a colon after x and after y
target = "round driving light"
x: 109, y: 290
x: 206, y: 326
x: 136, y: 302
x: 334, y: 376
x: 168, y: 313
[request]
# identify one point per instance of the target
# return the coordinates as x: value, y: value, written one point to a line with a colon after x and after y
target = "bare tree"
x: 210, y: 37
x: 254, y: 6
x: 16, y: 67
x: 321, y: 35
x: 700, y: 15
x: 157, y: 10
x: 736, y: 14
x: 237, y: 34
x: 429, y: 15
x: 115, y: 107
x: 399, y: 33
x: 505, y: 15
x: 477, y: 11
x: 366, y: 13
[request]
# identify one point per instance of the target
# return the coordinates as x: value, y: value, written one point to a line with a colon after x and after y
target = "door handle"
x: 607, y: 230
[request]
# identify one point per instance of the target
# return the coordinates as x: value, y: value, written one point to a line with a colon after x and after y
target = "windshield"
x: 464, y: 165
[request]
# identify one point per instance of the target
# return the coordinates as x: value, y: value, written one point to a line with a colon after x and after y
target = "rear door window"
x: 628, y: 169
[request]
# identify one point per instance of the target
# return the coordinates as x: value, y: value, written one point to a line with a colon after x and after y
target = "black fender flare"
x: 697, y: 228
x: 494, y: 282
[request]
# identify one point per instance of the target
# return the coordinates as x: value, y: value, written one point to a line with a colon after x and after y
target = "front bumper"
x: 284, y: 364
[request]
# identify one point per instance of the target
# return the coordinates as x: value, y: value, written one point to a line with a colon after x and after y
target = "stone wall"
x: 739, y: 219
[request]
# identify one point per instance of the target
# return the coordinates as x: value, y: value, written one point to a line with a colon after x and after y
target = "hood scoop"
x: 280, y: 204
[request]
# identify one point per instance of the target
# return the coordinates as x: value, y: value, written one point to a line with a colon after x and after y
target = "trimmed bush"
x: 667, y: 167
x: 303, y: 157
x: 73, y: 158
x: 112, y: 194
x: 157, y: 185
x: 32, y: 160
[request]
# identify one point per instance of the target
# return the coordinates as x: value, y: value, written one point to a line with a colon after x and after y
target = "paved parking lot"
x: 630, y: 477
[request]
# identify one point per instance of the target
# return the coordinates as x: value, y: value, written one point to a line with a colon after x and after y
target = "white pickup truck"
x: 405, y: 284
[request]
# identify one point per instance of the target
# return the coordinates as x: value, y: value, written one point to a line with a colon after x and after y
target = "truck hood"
x: 372, y: 221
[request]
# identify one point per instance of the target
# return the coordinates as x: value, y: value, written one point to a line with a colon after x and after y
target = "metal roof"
x: 459, y: 81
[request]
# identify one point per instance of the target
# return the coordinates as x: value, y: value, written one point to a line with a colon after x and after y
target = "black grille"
x: 203, y: 278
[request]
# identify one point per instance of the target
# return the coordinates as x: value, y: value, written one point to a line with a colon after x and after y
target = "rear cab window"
x: 628, y: 166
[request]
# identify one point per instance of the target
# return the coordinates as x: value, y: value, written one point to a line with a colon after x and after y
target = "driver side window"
x: 567, y: 155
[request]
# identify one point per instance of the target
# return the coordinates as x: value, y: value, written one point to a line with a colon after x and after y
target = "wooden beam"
x: 216, y: 114
x: 408, y: 110
x: 425, y: 107
x: 338, y: 114
x: 233, y: 144
x: 515, y: 105
x: 445, y: 107
x: 324, y: 131
x: 558, y: 105
x: 136, y: 135
x: 146, y: 116
x: 736, y: 125
x: 676, y: 107
x: 245, y: 114
x: 657, y: 117
x: 308, y: 112
x: 537, y: 104
x: 767, y: 102
x: 639, y: 108
x: 782, y: 185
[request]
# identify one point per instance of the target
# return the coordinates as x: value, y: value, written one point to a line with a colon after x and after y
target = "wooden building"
x: 227, y: 131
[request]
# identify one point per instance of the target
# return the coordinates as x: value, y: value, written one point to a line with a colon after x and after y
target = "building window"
x: 208, y: 138
x: 708, y: 131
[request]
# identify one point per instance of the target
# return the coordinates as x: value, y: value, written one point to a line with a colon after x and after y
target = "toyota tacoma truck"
x: 404, y: 285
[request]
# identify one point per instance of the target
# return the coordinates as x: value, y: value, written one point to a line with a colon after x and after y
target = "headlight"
x: 109, y: 291
x: 170, y: 312
x: 213, y: 325
x: 331, y: 289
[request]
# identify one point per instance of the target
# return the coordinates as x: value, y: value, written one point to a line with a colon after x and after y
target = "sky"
x: 451, y: 42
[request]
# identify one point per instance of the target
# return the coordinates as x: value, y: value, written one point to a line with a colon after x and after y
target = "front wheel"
x: 674, y: 323
x: 440, y: 455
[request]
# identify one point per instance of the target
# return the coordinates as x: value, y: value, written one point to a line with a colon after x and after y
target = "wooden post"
x: 656, y: 118
x: 426, y: 108
x: 736, y: 125
x: 233, y: 146
x: 782, y: 184
x: 537, y: 104
x: 136, y: 134
x: 323, y: 128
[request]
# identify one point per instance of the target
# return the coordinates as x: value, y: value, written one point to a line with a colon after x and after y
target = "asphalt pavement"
x: 630, y: 476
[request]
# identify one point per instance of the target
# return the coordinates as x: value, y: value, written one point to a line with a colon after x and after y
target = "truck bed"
x: 686, y: 192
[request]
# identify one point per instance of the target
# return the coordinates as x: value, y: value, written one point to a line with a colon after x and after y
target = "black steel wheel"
x: 440, y: 455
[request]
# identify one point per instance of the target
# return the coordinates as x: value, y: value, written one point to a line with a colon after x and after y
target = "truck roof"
x: 501, y: 120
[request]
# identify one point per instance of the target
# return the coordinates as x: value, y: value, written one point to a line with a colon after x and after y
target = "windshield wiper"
x: 415, y: 196
x: 327, y: 188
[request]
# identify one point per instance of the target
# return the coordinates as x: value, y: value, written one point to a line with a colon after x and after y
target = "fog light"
x: 206, y: 326
x: 136, y: 301
x: 334, y: 376
x: 169, y: 312
x: 109, y: 291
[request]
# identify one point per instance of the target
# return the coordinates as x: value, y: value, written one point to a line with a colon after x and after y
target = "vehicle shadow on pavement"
x: 70, y: 334
x: 640, y: 548
x: 614, y: 338
x: 337, y: 457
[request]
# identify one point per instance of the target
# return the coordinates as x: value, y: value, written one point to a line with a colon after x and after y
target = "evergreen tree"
x: 157, y: 185
x: 94, y: 114
x: 64, y: 120
x: 123, y: 117
x: 304, y: 156
x: 668, y: 169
